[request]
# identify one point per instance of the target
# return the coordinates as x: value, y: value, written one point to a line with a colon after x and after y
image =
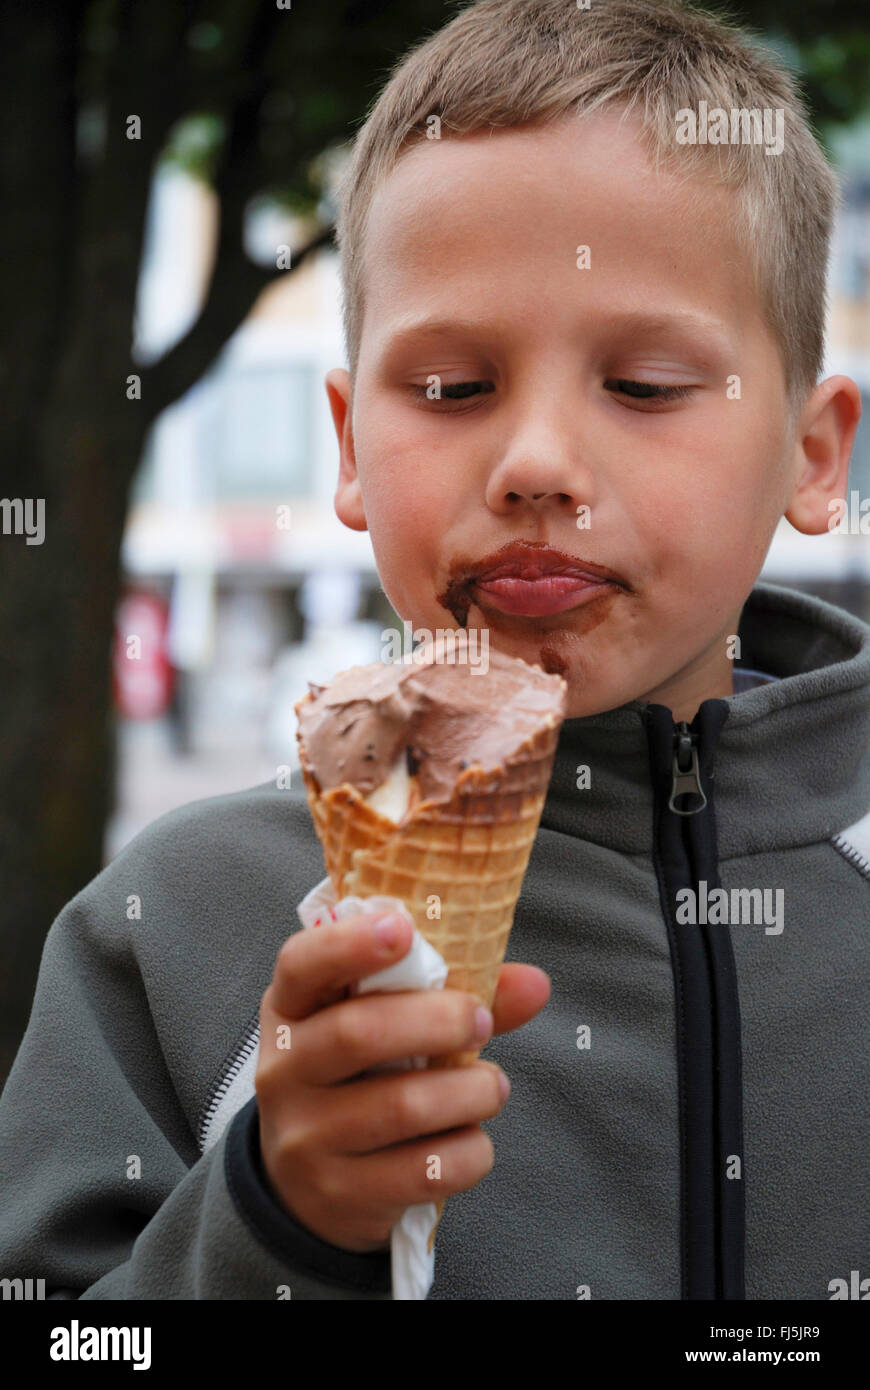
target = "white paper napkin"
x: 413, y: 1266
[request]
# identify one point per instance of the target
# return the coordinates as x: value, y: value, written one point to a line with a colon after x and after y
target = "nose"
x: 539, y: 477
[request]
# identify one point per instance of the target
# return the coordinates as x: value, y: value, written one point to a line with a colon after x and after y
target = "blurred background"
x: 172, y: 300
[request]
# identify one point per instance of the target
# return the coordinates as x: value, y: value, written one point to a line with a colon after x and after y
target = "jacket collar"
x: 790, y: 760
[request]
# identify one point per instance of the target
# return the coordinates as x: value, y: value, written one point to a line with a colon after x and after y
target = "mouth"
x: 531, y: 580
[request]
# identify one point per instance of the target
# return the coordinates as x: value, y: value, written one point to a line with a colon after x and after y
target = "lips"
x: 532, y: 580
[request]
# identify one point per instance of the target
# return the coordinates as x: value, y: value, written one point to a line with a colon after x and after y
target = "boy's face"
x: 676, y: 497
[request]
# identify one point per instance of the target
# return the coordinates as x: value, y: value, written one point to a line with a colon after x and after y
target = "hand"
x: 347, y: 1154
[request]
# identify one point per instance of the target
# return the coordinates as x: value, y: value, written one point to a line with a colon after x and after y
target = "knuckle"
x: 272, y: 1074
x: 331, y: 1185
x: 407, y: 1111
x: 455, y: 1013
x: 343, y: 1028
x: 297, y: 1140
x: 274, y: 1062
x: 353, y: 1030
x: 264, y: 1081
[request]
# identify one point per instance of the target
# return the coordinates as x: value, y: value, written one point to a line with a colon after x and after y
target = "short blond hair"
x: 507, y: 63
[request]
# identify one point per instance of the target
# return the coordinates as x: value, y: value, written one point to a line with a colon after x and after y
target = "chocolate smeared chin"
x: 456, y: 598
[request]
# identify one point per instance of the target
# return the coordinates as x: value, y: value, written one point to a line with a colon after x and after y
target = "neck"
x: 709, y: 676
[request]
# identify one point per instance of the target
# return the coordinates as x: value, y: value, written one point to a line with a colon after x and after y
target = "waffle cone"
x: 458, y: 866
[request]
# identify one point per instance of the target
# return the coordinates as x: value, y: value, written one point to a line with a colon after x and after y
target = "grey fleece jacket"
x: 689, y: 1115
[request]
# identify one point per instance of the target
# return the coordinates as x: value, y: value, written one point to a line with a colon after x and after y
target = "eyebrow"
x: 679, y: 318
x: 413, y: 328
x: 713, y: 333
x: 629, y: 322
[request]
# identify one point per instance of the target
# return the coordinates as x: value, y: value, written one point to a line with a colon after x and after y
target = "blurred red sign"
x: 142, y: 674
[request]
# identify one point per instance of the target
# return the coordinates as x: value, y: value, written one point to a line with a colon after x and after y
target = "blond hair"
x: 507, y: 63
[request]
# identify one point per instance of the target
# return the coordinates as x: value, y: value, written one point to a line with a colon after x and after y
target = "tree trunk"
x: 71, y: 434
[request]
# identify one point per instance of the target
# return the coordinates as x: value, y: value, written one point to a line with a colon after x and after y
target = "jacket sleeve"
x: 103, y: 1191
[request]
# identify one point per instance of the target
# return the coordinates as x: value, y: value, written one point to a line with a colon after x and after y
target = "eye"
x: 454, y: 390
x: 647, y: 390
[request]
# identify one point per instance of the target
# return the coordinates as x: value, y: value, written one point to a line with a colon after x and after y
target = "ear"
x: 823, y: 446
x: 348, y: 495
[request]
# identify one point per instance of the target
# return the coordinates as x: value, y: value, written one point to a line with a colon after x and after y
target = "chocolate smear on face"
x: 457, y: 598
x: 553, y: 662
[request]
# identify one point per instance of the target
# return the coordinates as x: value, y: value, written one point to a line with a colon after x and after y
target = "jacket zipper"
x: 706, y: 1004
x: 230, y: 1069
x: 685, y: 774
x: 852, y: 855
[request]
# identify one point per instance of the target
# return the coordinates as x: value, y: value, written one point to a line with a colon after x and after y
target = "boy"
x: 583, y: 387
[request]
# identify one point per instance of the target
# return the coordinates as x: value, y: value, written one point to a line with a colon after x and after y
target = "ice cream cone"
x: 457, y: 865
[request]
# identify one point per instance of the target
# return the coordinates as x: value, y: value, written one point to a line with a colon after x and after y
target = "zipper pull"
x: 686, y: 777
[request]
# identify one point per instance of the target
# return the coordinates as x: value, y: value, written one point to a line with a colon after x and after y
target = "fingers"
x: 315, y: 967
x: 375, y: 1112
x: 425, y: 1170
x: 347, y: 1038
x: 522, y: 992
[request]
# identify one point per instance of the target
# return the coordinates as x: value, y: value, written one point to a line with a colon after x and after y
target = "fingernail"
x: 504, y: 1086
x: 482, y: 1024
x: 387, y: 931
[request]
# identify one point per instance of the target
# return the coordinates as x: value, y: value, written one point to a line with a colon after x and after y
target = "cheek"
x: 714, y: 517
x: 400, y: 471
x: 396, y: 498
x: 412, y: 498
x: 405, y: 522
x: 399, y: 529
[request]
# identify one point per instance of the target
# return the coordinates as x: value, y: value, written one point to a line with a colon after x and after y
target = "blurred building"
x: 231, y: 527
x: 234, y: 559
